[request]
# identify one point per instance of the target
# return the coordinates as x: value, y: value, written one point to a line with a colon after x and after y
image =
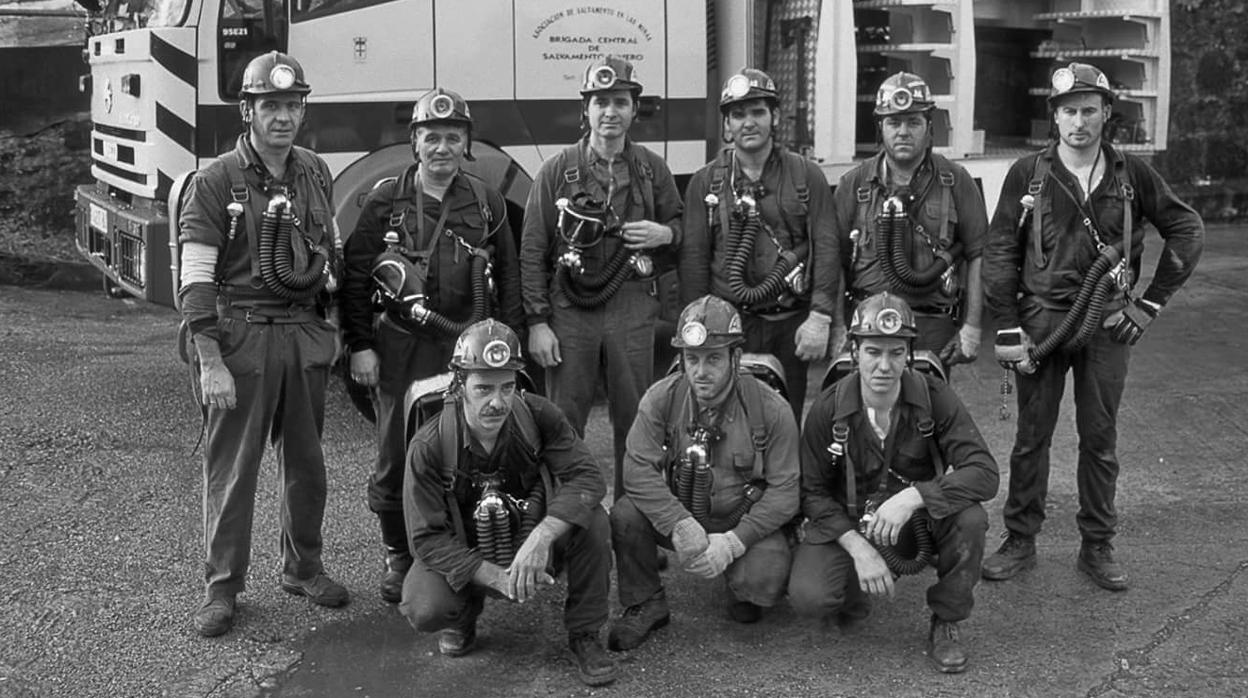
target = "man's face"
x: 487, y: 400
x: 1080, y: 119
x: 610, y: 113
x: 906, y: 137
x: 749, y: 125
x: 274, y: 119
x: 710, y: 371
x: 441, y: 147
x: 881, y: 361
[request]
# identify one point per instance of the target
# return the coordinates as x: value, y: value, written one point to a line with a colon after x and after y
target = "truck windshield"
x: 133, y: 14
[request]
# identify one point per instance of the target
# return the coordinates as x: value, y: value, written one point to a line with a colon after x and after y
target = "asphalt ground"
x: 100, y: 554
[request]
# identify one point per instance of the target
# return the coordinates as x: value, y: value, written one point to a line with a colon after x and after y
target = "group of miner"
x: 485, y: 489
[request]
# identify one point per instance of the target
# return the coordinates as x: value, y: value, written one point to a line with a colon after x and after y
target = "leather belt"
x: 270, y: 315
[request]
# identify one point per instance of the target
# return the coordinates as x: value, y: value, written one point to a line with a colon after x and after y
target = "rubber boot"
x: 398, y: 556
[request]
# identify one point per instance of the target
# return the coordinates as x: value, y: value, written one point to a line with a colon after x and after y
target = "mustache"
x: 490, y: 411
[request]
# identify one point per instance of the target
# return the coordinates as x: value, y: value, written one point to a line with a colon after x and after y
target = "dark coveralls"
x: 613, y: 342
x: 279, y: 355
x: 860, y: 197
x: 407, y: 351
x: 1021, y: 291
x: 824, y: 581
x: 770, y: 327
x: 438, y: 591
x: 644, y: 517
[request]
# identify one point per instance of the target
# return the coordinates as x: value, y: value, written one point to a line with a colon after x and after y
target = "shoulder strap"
x: 527, y: 424
x: 1036, y: 187
x: 793, y: 168
x: 676, y: 408
x: 240, y: 193
x: 1128, y: 201
x: 945, y: 175
x: 643, y: 173
x: 320, y: 172
x: 839, y: 448
x: 927, y: 427
x: 752, y: 401
x: 572, y: 175
x: 482, y: 196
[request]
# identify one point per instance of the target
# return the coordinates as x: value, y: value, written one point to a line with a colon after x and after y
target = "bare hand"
x: 365, y: 367
x: 641, y: 235
x: 874, y: 577
x: 544, y: 346
x: 528, y: 568
x: 216, y: 384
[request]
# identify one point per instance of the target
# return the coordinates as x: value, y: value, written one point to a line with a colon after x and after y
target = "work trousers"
x: 612, y: 345
x: 824, y: 581
x: 935, y: 331
x: 759, y: 576
x: 279, y: 371
x: 430, y: 604
x: 404, y: 357
x: 1100, y: 373
x: 779, y: 338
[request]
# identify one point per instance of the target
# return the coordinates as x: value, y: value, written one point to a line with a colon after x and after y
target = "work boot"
x: 320, y: 590
x: 1016, y: 554
x: 944, y: 648
x: 634, y: 626
x: 593, y: 665
x: 1096, y: 559
x: 456, y: 642
x: 744, y: 611
x: 215, y: 616
x: 853, y: 615
x: 398, y: 557
x: 392, y: 579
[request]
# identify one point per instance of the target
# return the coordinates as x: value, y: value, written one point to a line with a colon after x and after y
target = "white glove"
x: 970, y: 338
x: 688, y: 539
x: 812, y: 337
x: 722, y: 549
x: 840, y: 337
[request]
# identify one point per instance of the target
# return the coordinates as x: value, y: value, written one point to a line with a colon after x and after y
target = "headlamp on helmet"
x: 610, y: 73
x: 1075, y: 78
x: 748, y: 84
x: 903, y: 93
x: 709, y: 322
x: 486, y: 345
x: 883, y: 315
x: 282, y: 77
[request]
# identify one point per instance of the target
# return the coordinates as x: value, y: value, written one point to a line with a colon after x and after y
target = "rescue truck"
x: 164, y: 80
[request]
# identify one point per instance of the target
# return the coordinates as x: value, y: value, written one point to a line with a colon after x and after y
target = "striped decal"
x: 175, y: 128
x: 353, y: 127
x: 173, y: 59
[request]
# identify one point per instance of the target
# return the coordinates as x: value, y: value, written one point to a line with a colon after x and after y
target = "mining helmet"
x: 883, y: 315
x: 710, y: 322
x: 487, y: 345
x: 903, y: 93
x: 440, y: 104
x: 274, y: 72
x: 748, y: 84
x: 1079, y: 77
x: 610, y: 73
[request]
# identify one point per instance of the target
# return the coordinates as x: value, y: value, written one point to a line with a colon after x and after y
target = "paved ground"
x: 99, y: 546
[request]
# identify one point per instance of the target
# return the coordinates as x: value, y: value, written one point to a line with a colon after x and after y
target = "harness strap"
x: 1036, y: 188
x: 240, y: 192
x: 946, y: 202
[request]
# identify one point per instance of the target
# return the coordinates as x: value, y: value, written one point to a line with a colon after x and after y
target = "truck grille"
x: 130, y: 258
x: 97, y: 244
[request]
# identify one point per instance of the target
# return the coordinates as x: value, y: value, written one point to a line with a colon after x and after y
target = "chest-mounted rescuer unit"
x: 583, y: 224
x: 743, y: 222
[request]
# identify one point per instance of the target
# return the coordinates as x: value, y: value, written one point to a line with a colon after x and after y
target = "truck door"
x: 246, y: 29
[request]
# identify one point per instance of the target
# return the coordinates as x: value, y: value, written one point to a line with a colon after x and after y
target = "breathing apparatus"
x: 583, y: 224
x: 292, y: 269
x: 787, y: 277
x: 895, y: 227
x: 503, y: 522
